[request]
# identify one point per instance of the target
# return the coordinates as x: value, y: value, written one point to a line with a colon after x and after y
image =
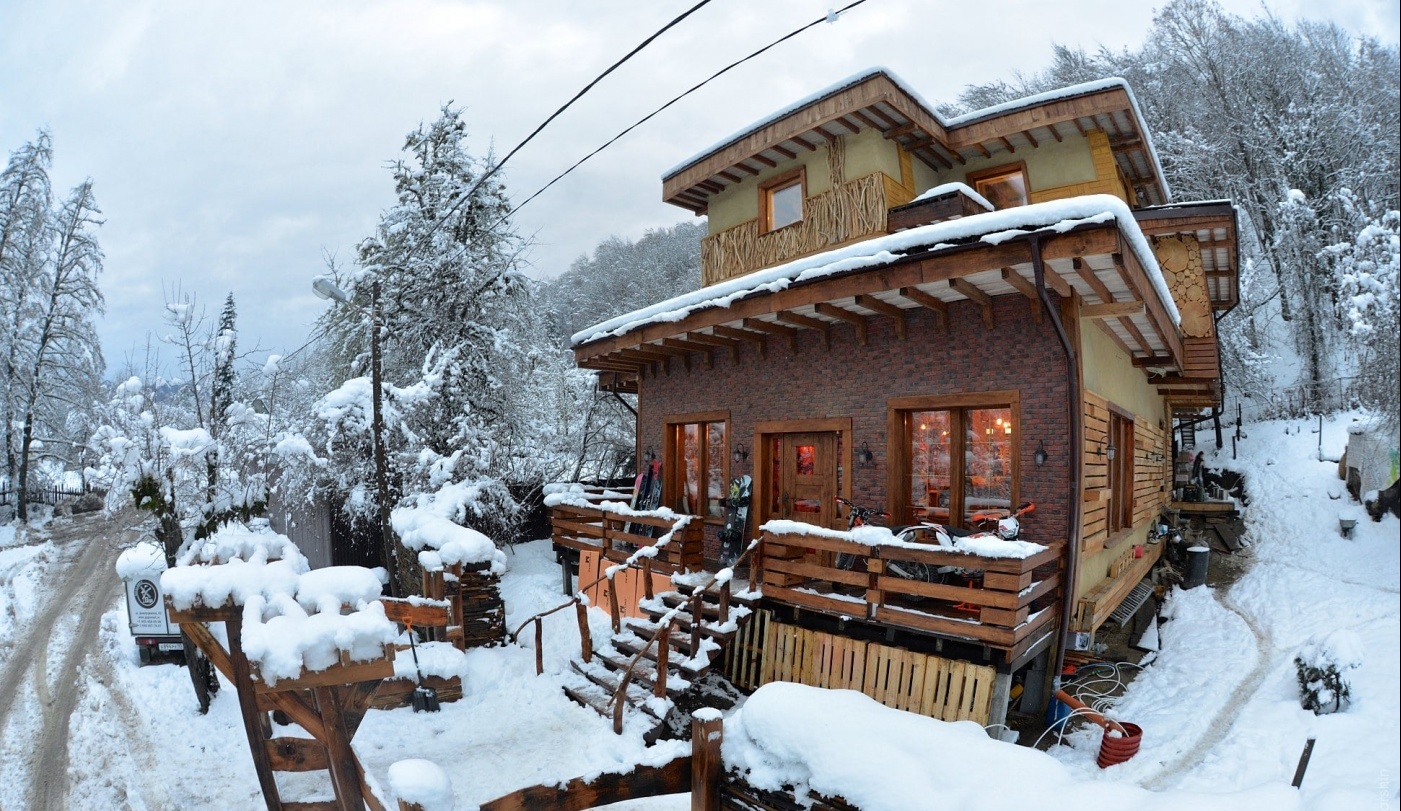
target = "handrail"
x: 643, y: 554
x: 663, y: 632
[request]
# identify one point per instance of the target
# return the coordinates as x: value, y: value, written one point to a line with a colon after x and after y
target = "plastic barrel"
x: 1056, y: 713
x: 1197, y: 559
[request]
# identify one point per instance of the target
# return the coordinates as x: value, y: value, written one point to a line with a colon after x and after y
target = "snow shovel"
x: 1120, y: 742
x: 425, y: 699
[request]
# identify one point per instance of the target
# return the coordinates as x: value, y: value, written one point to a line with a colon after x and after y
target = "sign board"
x: 145, y: 606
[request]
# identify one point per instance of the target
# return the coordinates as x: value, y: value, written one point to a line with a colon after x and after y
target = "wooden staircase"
x: 632, y: 663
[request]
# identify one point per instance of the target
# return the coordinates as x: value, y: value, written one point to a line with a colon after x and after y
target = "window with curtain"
x: 696, y: 455
x: 960, y: 461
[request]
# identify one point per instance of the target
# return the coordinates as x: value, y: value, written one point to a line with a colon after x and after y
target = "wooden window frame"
x: 672, y: 473
x: 798, y: 177
x: 972, y: 179
x: 1121, y: 473
x: 898, y: 443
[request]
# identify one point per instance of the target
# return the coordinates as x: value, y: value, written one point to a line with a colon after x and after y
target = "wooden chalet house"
x: 934, y: 317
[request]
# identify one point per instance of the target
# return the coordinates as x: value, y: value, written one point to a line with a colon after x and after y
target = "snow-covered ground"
x: 1219, y: 706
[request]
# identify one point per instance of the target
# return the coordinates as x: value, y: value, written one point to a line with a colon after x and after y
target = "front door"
x: 803, y: 484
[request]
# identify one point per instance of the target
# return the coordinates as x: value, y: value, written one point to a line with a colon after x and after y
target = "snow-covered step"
x: 629, y: 649
x: 606, y: 680
x: 599, y: 697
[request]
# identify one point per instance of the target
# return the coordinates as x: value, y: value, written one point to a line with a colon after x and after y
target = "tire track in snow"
x: 1230, y: 711
x: 88, y: 587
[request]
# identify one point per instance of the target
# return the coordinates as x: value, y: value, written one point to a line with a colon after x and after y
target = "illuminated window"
x: 694, y: 467
x: 958, y: 462
x: 1004, y: 187
x: 782, y: 199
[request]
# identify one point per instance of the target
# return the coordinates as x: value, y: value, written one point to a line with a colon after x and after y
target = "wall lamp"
x: 741, y: 453
x: 864, y: 456
x: 1041, y: 455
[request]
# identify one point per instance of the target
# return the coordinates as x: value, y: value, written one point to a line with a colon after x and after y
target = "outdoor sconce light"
x: 1111, y: 453
x: 741, y: 453
x: 1040, y: 456
x: 864, y: 455
x: 1099, y: 448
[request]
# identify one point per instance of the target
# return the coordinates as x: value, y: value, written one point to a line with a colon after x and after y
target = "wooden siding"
x: 1149, y: 474
x: 850, y: 211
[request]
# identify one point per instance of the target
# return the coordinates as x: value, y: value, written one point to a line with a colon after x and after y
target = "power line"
x: 831, y: 16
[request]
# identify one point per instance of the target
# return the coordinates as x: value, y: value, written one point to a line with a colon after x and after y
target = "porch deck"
x: 1013, y: 608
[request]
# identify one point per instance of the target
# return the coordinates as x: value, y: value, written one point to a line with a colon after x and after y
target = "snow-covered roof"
x: 949, y: 188
x: 993, y: 228
x: 1071, y: 91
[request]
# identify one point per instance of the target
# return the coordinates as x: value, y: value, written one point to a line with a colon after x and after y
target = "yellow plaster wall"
x: 1108, y: 371
x: 740, y: 203
x: 868, y: 151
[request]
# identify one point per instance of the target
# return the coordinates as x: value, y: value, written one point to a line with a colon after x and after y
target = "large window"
x: 694, y: 466
x: 1121, y: 458
x: 1004, y: 186
x: 954, y: 461
x: 781, y: 199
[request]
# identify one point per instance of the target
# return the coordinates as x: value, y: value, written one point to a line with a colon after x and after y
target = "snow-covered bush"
x: 1322, y: 666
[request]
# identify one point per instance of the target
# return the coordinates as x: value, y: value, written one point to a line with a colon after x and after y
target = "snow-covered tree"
x: 1368, y: 267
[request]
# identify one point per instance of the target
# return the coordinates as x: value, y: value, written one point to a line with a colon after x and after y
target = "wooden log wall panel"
x: 850, y: 211
x: 946, y: 689
x: 1095, y: 465
x: 1150, y: 474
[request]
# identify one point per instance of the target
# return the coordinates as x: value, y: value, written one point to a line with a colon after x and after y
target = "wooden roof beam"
x: 808, y: 322
x: 901, y: 131
x: 860, y: 115
x: 1006, y: 144
x: 1154, y: 361
x: 829, y: 137
x: 1087, y: 273
x: 887, y: 309
x: 1117, y: 309
x: 743, y: 335
x: 929, y: 302
x: 711, y: 186
x: 979, y: 297
x: 1128, y: 325
x: 1032, y: 138
x: 987, y: 155
x: 716, y: 341
x: 730, y: 176
x: 1055, y: 133
x: 1113, y: 336
x: 788, y: 154
x: 857, y: 320
x: 747, y: 169
x: 765, y: 161
x: 771, y: 328
x: 707, y: 351
x: 1027, y: 289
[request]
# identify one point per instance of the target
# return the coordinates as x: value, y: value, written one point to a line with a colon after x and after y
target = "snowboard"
x: 736, y: 519
x: 647, y: 496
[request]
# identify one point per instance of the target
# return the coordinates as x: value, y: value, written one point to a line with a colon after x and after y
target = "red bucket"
x: 1116, y: 749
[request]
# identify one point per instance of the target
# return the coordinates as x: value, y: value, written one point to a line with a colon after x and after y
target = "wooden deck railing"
x: 1014, y: 606
x: 618, y: 535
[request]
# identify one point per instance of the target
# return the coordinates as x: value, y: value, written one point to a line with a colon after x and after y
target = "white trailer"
x: 140, y: 568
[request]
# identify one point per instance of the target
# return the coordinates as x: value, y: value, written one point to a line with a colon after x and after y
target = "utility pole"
x: 387, y: 547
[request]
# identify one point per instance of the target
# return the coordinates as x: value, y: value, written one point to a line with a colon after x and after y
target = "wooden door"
x: 804, y: 478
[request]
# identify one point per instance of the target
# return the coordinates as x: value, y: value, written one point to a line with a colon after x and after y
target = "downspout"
x: 1072, y: 557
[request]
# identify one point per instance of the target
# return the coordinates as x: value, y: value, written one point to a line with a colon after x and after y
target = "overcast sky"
x: 232, y: 144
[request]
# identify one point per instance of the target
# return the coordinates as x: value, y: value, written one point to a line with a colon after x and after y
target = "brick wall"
x: 851, y: 380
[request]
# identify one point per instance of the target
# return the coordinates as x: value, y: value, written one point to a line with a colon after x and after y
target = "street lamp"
x: 326, y: 289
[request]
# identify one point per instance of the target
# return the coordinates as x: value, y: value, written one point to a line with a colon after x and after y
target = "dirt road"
x: 39, y: 679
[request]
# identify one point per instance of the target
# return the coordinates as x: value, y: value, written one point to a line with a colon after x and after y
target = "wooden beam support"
x: 1006, y: 144
x: 1026, y: 288
x: 774, y: 329
x: 747, y: 169
x: 1145, y: 347
x: 887, y: 309
x: 711, y: 186
x: 929, y: 302
x: 787, y: 154
x: 686, y: 346
x: 857, y: 320
x: 861, y: 116
x: 901, y: 131
x: 716, y: 340
x: 1112, y: 310
x: 730, y: 176
x: 252, y: 718
x: 1055, y: 133
x: 1154, y: 361
x: 766, y: 161
x: 1088, y: 274
x: 973, y: 292
x: 807, y: 322
x: 987, y: 154
x: 1113, y: 336
x: 743, y: 335
x: 1032, y: 138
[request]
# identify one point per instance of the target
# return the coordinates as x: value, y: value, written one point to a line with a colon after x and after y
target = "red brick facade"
x: 851, y: 380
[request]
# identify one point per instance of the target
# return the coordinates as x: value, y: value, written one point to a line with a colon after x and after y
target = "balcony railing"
x: 1004, y: 602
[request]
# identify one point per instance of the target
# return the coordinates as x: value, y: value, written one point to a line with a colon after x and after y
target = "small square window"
x: 781, y: 200
x: 1004, y: 187
x: 785, y: 205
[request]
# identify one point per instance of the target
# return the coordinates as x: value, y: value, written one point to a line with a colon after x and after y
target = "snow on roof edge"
x: 1070, y: 91
x: 993, y: 228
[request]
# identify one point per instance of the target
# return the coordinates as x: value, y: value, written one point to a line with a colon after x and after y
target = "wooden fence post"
x: 707, y: 734
x: 539, y: 647
x: 581, y: 612
x: 663, y: 654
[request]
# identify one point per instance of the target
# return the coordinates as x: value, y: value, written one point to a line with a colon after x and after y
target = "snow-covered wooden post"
x: 707, y: 735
